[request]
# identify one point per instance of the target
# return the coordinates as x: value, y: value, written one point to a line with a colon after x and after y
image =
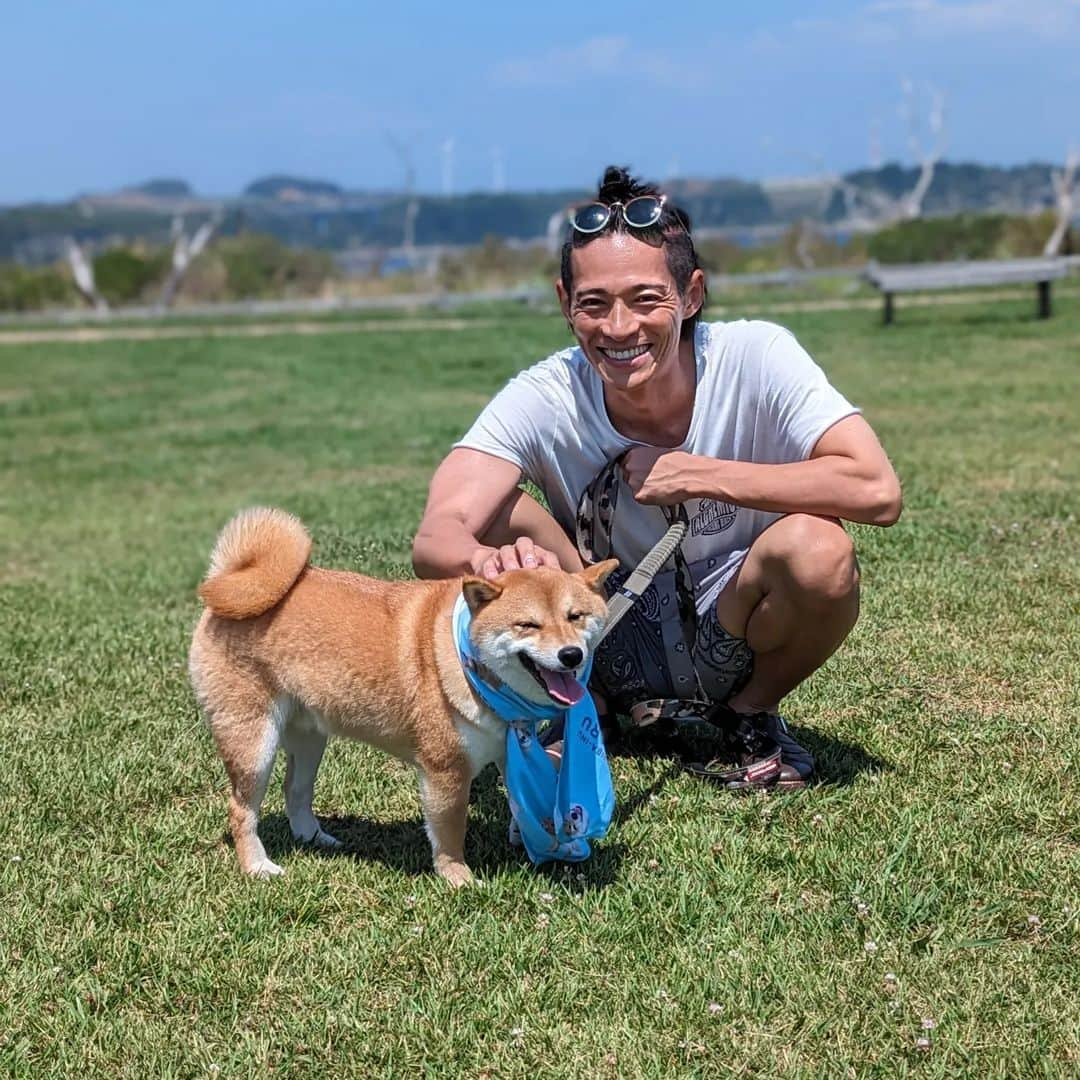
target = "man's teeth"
x: 626, y: 354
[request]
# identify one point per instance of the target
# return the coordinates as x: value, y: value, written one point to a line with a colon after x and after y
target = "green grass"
x: 710, y: 935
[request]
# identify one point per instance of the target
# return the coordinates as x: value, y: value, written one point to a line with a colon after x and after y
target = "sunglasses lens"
x: 643, y: 211
x: 591, y: 218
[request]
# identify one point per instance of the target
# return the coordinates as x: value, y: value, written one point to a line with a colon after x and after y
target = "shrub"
x: 31, y: 290
x: 122, y: 276
x: 261, y: 266
x: 963, y: 236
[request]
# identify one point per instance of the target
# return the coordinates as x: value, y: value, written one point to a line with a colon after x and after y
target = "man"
x: 730, y: 425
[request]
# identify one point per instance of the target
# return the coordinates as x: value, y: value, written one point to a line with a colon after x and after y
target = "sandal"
x: 751, y: 755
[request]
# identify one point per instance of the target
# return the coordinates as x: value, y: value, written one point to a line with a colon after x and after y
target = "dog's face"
x: 536, y: 629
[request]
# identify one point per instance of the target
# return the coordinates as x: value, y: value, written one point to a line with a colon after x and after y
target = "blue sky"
x: 99, y: 95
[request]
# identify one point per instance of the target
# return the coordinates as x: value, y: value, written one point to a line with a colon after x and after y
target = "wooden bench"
x: 920, y: 277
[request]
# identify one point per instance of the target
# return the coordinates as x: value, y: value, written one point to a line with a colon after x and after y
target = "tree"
x: 1064, y: 182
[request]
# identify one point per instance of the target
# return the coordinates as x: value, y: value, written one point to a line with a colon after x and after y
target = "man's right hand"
x: 523, y: 554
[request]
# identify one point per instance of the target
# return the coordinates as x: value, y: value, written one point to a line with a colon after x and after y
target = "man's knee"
x: 816, y: 556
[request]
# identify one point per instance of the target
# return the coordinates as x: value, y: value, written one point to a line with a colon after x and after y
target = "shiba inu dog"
x: 287, y: 654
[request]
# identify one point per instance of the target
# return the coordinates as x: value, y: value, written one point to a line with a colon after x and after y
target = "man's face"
x: 626, y: 310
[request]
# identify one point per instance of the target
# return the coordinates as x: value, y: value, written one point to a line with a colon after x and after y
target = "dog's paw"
x: 457, y: 874
x: 264, y: 869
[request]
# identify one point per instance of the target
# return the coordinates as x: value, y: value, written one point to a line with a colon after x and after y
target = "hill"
x: 320, y: 214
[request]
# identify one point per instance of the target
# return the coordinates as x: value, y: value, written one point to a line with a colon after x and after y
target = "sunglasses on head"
x: 641, y: 212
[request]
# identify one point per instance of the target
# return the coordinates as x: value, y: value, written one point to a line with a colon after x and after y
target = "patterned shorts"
x: 645, y: 656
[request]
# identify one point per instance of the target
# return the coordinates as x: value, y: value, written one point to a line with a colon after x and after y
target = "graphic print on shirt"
x: 712, y: 517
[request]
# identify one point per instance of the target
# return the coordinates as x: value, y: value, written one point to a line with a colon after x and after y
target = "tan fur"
x: 258, y: 556
x: 287, y: 654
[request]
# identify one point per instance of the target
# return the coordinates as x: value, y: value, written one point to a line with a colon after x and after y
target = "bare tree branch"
x: 1064, y: 190
x: 185, y: 251
x: 82, y: 270
x: 911, y: 204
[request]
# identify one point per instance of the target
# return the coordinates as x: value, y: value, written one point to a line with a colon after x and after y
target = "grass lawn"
x: 926, y: 888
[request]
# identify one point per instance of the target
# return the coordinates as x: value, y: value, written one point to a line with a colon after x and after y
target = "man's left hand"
x: 660, y: 477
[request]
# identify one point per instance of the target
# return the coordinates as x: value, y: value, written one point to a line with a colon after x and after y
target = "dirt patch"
x: 89, y: 334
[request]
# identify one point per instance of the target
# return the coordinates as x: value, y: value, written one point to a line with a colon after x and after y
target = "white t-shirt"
x: 760, y: 398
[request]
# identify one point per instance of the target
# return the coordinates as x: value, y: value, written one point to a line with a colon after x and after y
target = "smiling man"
x: 729, y: 426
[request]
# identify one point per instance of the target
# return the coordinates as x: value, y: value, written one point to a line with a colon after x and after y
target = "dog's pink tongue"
x: 562, y: 688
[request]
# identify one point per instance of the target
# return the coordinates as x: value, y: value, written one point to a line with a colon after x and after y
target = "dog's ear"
x: 595, y: 576
x: 478, y: 592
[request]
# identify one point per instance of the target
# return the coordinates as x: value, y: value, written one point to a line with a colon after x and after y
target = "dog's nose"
x: 570, y: 656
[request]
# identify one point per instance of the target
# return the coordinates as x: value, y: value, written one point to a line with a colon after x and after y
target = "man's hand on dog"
x: 522, y: 555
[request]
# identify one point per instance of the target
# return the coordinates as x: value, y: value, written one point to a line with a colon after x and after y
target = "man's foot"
x: 797, y: 763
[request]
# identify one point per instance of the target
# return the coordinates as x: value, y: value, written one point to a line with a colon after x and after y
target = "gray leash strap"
x: 631, y: 589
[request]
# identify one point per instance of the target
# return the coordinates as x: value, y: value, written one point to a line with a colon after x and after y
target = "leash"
x: 754, y: 756
x: 631, y: 589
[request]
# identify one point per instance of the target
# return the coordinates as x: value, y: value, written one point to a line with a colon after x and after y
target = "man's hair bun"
x: 618, y: 185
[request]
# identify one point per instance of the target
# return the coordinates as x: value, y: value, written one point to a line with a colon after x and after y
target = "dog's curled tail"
x: 257, y: 559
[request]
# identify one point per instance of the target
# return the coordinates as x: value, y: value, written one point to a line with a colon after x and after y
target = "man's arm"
x: 467, y: 492
x: 847, y: 476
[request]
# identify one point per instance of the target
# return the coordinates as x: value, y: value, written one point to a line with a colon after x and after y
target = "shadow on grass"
x: 403, y: 845
x: 838, y: 762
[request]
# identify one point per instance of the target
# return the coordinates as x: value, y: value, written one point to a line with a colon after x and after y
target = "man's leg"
x: 794, y: 599
x: 522, y: 515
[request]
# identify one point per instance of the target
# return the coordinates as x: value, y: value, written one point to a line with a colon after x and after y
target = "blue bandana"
x: 557, y: 811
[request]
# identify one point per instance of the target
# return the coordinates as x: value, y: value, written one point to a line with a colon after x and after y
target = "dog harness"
x: 753, y: 757
x: 557, y: 811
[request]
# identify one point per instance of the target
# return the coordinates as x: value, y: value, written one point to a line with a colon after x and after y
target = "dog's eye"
x: 574, y: 616
x: 526, y: 626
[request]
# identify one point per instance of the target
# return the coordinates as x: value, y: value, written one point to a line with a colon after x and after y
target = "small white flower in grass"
x: 817, y: 821
x: 870, y: 946
x: 715, y: 1007
x: 653, y: 864
x: 516, y: 1032
x: 862, y: 910
x: 922, y: 1043
x: 928, y: 1023
x: 16, y: 858
x: 543, y: 920
x: 410, y: 900
x: 579, y: 877
x: 1034, y: 922
x: 546, y: 897
x: 417, y: 930
x: 892, y: 983
x: 213, y: 1068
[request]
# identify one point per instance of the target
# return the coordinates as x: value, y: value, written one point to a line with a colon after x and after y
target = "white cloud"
x: 611, y: 55
x: 1042, y: 18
